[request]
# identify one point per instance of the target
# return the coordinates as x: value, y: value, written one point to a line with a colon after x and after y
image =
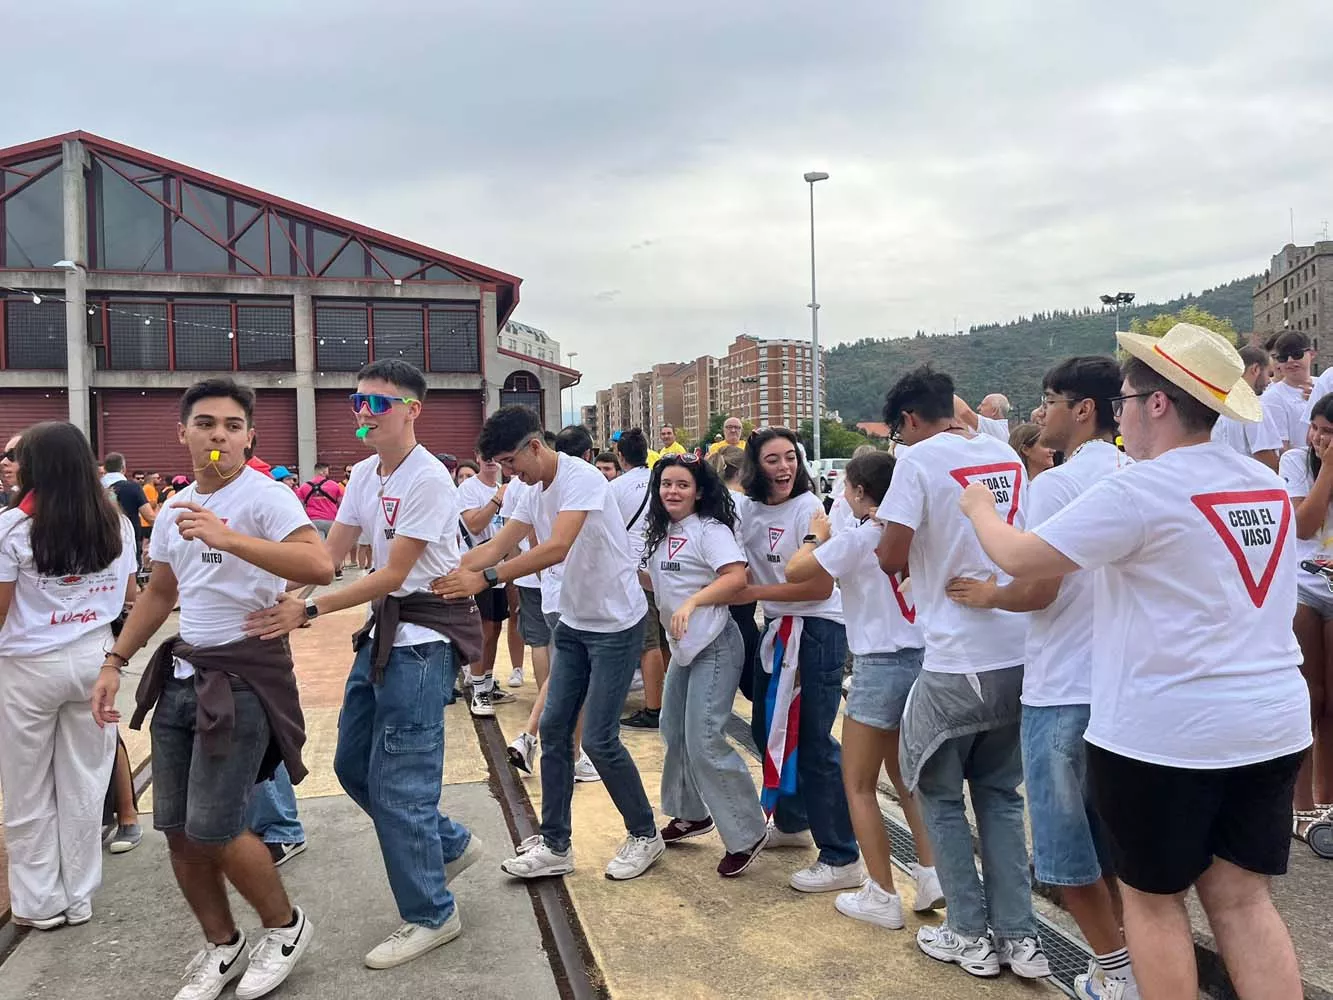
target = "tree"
x: 1162, y: 322
x: 835, y: 440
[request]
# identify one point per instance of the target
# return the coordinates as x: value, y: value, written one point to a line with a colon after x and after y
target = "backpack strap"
x: 638, y: 512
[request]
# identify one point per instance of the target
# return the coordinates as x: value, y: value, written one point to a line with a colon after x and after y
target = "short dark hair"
x: 114, y: 462
x: 467, y: 463
x: 633, y: 447
x: 574, y: 440
x: 606, y: 456
x: 753, y: 479
x: 505, y: 430
x: 397, y: 372
x: 1251, y: 356
x: 923, y: 391
x: 872, y: 473
x: 549, y: 438
x: 1292, y: 342
x: 1088, y: 376
x: 1195, y: 417
x: 219, y: 388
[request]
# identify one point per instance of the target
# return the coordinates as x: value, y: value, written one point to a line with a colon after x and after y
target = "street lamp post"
x: 1116, y: 301
x: 812, y: 178
x: 573, y: 419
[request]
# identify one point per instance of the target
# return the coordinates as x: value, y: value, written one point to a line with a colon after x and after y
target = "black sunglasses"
x: 1295, y: 356
x: 11, y: 455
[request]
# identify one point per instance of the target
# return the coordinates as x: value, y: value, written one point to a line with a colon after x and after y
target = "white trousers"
x: 55, y: 764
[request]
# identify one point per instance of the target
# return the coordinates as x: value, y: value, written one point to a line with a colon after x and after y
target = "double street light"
x: 1115, y: 302
x: 813, y: 178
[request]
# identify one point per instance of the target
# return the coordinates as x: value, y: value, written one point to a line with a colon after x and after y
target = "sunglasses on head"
x: 688, y: 458
x: 377, y: 401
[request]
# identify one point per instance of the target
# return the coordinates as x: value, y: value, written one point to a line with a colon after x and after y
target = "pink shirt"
x: 320, y: 504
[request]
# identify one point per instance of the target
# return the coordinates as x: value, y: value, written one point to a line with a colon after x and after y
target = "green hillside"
x: 1009, y: 358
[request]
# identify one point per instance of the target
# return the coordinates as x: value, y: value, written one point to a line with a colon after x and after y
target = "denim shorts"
x: 880, y: 682
x: 531, y: 621
x: 207, y: 797
x: 1315, y: 595
x: 1068, y: 846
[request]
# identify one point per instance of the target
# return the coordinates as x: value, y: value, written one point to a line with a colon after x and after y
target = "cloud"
x: 987, y: 159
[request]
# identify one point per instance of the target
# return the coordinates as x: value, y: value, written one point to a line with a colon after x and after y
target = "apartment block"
x: 699, y: 397
x: 768, y: 382
x: 1292, y: 294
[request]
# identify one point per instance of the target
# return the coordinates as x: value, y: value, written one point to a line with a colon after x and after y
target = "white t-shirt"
x: 473, y: 493
x: 630, y: 490
x: 1247, y: 438
x: 217, y: 589
x: 1057, y: 668
x: 1194, y: 661
x: 840, y: 517
x: 515, y: 489
x: 880, y: 618
x: 1290, y: 411
x: 50, y: 612
x: 1323, y: 385
x: 604, y: 594
x: 685, y: 562
x: 998, y: 429
x: 923, y: 495
x: 1294, y: 466
x: 771, y: 534
x: 419, y: 500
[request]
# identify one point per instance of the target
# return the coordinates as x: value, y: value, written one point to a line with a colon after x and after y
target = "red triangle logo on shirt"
x: 908, y: 611
x: 1003, y: 479
x: 1253, y: 525
x: 775, y: 536
x: 390, y: 505
x: 674, y: 545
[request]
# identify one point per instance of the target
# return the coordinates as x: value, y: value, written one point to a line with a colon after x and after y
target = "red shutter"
x: 275, y: 428
x: 21, y: 408
x: 450, y: 421
x: 141, y: 425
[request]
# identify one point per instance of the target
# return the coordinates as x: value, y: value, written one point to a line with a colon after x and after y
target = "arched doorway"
x: 522, y: 388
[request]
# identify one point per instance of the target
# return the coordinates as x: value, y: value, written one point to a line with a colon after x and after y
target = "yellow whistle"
x: 214, y: 455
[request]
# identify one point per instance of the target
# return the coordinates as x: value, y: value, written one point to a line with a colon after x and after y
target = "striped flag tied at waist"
x: 779, y: 655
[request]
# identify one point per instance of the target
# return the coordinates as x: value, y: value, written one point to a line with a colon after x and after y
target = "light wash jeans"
x: 596, y: 668
x: 390, y: 761
x: 272, y: 816
x: 702, y: 774
x: 991, y: 762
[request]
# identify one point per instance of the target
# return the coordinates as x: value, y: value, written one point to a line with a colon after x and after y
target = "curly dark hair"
x: 712, y: 498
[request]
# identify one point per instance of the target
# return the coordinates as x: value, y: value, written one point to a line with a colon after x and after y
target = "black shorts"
x: 1165, y: 825
x: 493, y: 603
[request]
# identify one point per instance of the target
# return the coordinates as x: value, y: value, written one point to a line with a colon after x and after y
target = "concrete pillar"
x: 75, y: 215
x: 303, y: 328
x: 495, y: 365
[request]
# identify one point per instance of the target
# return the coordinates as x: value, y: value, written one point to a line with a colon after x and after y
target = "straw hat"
x: 1202, y: 363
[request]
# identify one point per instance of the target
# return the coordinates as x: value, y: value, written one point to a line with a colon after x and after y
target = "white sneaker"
x: 1093, y: 985
x: 636, y: 856
x: 583, y: 769
x: 274, y: 957
x: 452, y: 869
x: 929, y: 895
x: 480, y: 705
x: 212, y: 969
x: 1025, y: 958
x: 873, y: 905
x: 977, y: 956
x: 79, y: 913
x: 412, y: 941
x: 521, y: 752
x: 45, y: 924
x: 516, y: 677
x: 776, y: 838
x: 820, y: 877
x: 536, y: 859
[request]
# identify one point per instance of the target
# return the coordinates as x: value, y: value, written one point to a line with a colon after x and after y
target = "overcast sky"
x: 639, y: 165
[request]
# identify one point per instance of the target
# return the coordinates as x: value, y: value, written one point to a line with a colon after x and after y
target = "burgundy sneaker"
x: 735, y: 863
x: 684, y: 829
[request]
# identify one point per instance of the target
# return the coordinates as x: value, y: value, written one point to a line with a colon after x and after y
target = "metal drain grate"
x: 1068, y: 957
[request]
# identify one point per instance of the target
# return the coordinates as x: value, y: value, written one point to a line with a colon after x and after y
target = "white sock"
x: 488, y: 681
x: 1115, y: 965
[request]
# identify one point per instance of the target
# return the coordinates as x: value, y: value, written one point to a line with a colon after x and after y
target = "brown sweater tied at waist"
x: 263, y: 665
x: 459, y: 621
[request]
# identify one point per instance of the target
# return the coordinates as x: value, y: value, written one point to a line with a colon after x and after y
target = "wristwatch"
x: 810, y: 540
x: 311, y: 610
x: 491, y: 577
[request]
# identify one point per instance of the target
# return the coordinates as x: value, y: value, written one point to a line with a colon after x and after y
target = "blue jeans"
x: 390, y: 761
x: 991, y: 763
x: 1067, y: 842
x: 702, y: 774
x: 595, y: 667
x: 272, y: 817
x: 820, y: 802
